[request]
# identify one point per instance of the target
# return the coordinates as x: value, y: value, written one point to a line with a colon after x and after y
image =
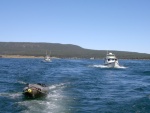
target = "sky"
x: 122, y: 25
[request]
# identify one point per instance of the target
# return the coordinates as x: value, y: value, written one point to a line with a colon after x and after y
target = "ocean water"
x: 75, y: 86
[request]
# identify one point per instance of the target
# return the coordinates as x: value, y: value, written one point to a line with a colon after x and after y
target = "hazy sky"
x: 122, y: 25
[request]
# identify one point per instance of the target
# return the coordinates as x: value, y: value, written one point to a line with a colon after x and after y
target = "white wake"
x: 55, y: 102
x: 103, y: 66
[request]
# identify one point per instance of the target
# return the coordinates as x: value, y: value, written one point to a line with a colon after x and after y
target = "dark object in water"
x: 35, y: 90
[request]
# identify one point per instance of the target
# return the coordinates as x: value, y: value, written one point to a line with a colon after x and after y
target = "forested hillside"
x: 62, y: 51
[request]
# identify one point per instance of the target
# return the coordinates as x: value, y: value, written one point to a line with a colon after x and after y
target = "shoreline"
x: 19, y: 56
x: 41, y: 57
x: 23, y: 56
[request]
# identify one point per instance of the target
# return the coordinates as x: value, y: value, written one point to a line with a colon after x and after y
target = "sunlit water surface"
x: 76, y: 86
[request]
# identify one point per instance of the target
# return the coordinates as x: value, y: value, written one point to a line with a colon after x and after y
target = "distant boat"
x: 92, y: 58
x: 47, y: 58
x: 111, y: 61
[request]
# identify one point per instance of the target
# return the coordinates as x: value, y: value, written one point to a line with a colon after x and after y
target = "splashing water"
x: 103, y: 66
x: 54, y: 102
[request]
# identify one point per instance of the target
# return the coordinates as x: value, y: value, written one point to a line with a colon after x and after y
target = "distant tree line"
x: 62, y: 51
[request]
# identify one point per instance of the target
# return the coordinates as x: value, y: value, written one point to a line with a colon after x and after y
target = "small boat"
x: 47, y: 58
x: 92, y: 58
x: 111, y: 61
x: 35, y: 90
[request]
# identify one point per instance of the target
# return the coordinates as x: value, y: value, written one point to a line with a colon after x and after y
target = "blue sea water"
x: 76, y: 86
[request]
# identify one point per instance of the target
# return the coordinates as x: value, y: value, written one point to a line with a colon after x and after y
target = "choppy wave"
x: 76, y: 86
x: 11, y: 95
x: 21, y: 82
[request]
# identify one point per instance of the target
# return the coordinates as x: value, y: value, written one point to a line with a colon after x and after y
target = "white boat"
x: 47, y: 58
x: 111, y: 61
x: 92, y: 58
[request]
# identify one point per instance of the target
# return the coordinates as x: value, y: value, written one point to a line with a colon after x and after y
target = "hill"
x: 62, y: 51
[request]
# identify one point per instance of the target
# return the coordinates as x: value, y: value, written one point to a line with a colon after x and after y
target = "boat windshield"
x: 112, y: 59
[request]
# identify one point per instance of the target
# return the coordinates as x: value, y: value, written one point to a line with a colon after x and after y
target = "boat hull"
x: 112, y: 65
x: 45, y: 60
